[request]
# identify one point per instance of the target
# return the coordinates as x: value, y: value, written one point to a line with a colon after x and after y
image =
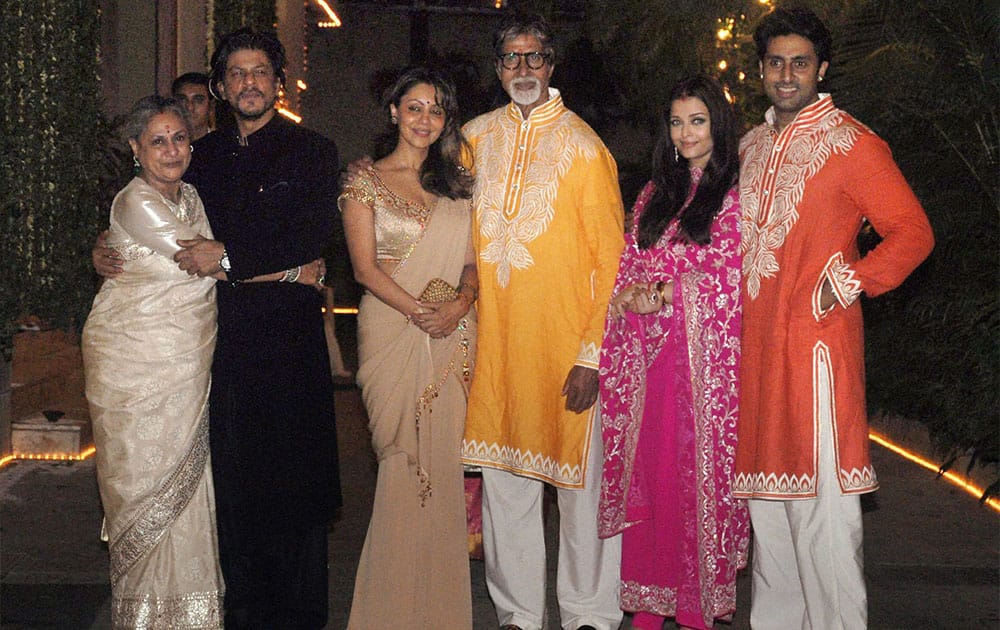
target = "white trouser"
x: 514, y: 549
x: 808, y: 565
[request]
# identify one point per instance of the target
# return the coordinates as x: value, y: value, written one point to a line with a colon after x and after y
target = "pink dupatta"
x: 699, y: 337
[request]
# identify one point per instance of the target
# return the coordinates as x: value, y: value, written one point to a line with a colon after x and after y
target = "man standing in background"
x: 191, y: 89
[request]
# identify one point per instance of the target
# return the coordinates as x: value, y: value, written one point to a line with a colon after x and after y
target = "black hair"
x: 442, y: 172
x: 248, y: 39
x: 672, y: 175
x: 189, y: 78
x: 793, y: 21
x: 525, y: 24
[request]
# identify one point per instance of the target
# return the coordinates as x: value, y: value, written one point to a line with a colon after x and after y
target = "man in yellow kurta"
x: 548, y: 232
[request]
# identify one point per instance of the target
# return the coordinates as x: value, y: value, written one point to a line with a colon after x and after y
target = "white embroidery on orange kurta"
x: 770, y: 202
x: 507, y: 231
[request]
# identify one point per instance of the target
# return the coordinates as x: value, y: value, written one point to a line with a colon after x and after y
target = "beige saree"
x: 414, y: 568
x: 147, y: 350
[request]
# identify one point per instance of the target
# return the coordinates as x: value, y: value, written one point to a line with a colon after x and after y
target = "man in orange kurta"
x: 810, y: 177
x: 548, y: 232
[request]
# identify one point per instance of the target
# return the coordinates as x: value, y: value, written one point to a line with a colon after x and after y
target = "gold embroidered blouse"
x: 399, y: 222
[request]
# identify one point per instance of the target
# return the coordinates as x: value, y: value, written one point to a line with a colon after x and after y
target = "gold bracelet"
x: 661, y: 288
x: 475, y: 290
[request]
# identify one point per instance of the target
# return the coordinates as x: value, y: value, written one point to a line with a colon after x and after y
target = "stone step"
x: 36, y: 436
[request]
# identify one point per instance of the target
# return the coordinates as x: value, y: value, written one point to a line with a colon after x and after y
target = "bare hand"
x: 107, y: 261
x: 355, y: 167
x: 580, y: 389
x: 440, y: 320
x: 827, y: 298
x: 199, y: 256
x: 641, y: 298
x: 313, y: 274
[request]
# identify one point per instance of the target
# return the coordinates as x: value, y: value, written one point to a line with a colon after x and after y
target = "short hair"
x: 794, y: 21
x: 189, y: 78
x: 525, y: 24
x: 441, y: 172
x: 248, y: 39
x: 145, y: 108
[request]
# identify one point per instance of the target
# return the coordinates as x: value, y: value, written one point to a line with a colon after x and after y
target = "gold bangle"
x: 474, y: 290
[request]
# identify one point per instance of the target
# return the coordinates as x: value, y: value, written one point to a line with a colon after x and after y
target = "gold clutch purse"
x: 437, y: 290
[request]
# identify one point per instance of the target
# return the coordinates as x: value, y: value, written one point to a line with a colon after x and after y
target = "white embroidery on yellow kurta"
x: 507, y: 231
x: 523, y: 462
x: 769, y: 203
x: 590, y: 354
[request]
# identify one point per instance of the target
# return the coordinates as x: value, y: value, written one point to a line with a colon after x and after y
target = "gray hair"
x: 145, y: 108
x: 516, y: 25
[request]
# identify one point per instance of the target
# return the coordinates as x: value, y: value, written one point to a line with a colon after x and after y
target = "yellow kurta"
x: 548, y: 233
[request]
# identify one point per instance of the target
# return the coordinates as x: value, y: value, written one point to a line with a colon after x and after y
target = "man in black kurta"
x: 270, y: 190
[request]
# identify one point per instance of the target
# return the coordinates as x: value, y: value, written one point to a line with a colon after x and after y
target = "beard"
x: 253, y: 114
x: 525, y: 91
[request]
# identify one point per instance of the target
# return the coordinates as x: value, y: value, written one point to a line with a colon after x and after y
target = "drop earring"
x: 394, y: 120
x: 135, y: 162
x: 677, y: 157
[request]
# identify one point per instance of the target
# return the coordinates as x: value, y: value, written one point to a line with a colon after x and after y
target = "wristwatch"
x: 224, y: 262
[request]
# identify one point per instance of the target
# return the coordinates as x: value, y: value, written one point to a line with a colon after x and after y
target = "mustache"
x: 251, y: 91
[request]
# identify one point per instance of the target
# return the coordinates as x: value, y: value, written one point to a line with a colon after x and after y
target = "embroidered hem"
x: 526, y: 463
x: 160, y: 509
x: 194, y: 611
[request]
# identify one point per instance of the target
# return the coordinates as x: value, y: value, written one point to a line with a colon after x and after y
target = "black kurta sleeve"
x: 292, y: 195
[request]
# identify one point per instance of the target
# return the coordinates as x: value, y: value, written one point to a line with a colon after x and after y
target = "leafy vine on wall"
x: 51, y: 128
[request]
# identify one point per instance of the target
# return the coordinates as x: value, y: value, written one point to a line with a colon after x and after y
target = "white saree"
x: 147, y: 349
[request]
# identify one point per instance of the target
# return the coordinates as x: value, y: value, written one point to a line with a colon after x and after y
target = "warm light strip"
x: 956, y: 479
x: 345, y: 310
x: 290, y: 115
x: 51, y: 457
x: 330, y: 13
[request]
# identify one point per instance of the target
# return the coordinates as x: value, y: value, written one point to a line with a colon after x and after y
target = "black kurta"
x: 273, y: 439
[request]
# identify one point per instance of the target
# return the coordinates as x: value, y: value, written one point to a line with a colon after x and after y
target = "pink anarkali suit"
x: 670, y: 403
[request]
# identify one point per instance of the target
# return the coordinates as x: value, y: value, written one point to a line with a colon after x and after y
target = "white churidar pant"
x: 808, y: 565
x: 514, y: 549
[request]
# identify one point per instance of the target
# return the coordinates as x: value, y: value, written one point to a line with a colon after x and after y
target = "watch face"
x: 224, y: 263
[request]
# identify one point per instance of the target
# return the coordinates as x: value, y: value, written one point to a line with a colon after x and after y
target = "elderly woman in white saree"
x: 147, y: 349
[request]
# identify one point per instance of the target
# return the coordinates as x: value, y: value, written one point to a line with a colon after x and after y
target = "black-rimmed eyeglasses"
x: 512, y: 60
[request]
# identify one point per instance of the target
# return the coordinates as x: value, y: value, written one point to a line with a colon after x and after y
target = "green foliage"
x: 51, y: 130
x: 653, y: 44
x: 229, y: 15
x: 924, y: 76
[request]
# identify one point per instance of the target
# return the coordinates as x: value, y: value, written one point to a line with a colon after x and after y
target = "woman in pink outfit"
x: 669, y: 374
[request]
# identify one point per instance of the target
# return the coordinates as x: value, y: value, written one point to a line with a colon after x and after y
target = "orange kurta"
x: 805, y: 194
x: 548, y: 232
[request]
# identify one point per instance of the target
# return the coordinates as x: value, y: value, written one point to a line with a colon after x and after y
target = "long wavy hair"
x: 442, y: 172
x: 672, y: 174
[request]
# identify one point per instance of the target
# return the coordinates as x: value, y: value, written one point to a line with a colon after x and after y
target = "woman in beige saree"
x: 407, y: 220
x: 147, y: 350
